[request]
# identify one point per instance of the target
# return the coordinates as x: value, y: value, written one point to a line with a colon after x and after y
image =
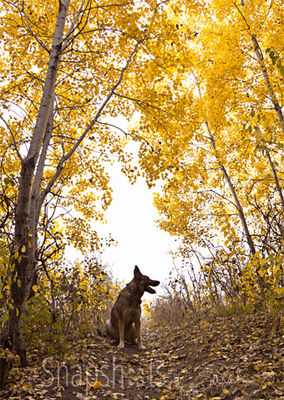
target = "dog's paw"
x: 121, y: 346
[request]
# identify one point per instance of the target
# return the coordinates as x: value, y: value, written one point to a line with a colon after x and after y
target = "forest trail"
x: 226, y: 358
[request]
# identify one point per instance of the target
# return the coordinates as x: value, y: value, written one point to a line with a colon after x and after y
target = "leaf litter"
x: 240, y: 357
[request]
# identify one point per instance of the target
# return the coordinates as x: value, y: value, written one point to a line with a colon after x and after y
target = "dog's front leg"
x: 138, y: 331
x: 121, y: 333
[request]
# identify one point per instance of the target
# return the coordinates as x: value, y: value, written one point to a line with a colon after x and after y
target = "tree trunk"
x: 23, y: 259
x: 276, y: 179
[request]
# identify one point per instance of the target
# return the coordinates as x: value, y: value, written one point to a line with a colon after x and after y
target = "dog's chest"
x: 131, y: 312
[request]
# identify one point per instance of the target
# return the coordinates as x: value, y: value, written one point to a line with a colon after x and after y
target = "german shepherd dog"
x: 124, y: 323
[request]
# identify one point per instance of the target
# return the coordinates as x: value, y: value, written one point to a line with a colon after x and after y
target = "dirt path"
x: 228, y: 358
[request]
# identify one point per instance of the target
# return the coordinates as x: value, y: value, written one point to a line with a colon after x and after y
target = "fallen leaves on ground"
x: 227, y: 358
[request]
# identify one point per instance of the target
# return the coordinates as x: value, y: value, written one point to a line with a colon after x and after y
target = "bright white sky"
x: 131, y: 221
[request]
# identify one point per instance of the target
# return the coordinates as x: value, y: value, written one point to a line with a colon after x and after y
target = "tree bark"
x: 240, y: 209
x: 276, y: 179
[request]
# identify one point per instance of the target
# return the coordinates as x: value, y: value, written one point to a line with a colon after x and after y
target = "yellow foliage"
x: 213, y: 133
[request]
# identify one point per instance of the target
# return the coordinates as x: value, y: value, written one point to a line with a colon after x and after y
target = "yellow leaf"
x: 276, y: 269
x: 279, y: 290
x: 97, y: 385
x: 34, y: 287
x: 25, y: 387
x: 226, y: 391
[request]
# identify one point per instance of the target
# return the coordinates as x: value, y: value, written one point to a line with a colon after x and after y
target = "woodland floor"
x: 228, y: 358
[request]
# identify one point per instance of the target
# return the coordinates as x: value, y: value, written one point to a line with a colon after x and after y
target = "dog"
x: 124, y: 323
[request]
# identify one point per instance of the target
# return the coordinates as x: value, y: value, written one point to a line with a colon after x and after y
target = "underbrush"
x: 216, y: 289
x: 174, y: 311
x: 71, y: 302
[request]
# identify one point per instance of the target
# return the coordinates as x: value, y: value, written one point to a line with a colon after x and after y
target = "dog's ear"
x: 137, y: 271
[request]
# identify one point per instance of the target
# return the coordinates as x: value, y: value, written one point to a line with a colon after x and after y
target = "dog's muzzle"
x: 149, y: 289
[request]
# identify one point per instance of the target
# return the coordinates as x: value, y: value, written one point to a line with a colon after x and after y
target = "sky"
x: 131, y: 221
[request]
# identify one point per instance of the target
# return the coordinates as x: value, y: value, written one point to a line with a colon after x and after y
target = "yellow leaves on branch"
x: 93, y: 84
x: 221, y: 64
x: 212, y: 129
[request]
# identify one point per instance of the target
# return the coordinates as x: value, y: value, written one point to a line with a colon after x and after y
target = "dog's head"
x: 144, y: 282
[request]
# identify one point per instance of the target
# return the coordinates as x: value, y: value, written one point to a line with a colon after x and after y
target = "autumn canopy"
x: 205, y: 79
